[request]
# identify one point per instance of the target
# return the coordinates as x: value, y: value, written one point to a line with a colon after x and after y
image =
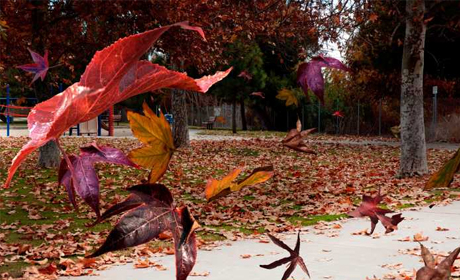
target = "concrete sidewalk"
x: 330, y: 251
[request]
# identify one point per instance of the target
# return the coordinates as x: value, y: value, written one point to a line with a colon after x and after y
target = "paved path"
x: 342, y: 257
x: 195, y: 135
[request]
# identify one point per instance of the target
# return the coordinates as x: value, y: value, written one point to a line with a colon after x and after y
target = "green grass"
x: 312, y: 220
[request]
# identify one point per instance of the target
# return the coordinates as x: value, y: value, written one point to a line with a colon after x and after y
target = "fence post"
x: 303, y: 116
x: 7, y: 110
x: 319, y: 116
x: 380, y: 117
x: 337, y: 118
x: 358, y: 117
x: 435, y: 112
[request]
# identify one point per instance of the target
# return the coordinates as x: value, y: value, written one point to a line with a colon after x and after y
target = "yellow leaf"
x: 259, y: 175
x: 154, y: 132
x: 289, y: 96
x: 216, y: 189
x: 445, y: 175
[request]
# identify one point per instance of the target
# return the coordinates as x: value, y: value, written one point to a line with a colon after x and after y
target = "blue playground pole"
x: 99, y: 125
x: 7, y: 110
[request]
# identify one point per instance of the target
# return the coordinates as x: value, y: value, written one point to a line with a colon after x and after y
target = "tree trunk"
x: 179, y: 111
x: 234, y: 115
x: 49, y: 156
x: 413, y: 146
x: 243, y: 115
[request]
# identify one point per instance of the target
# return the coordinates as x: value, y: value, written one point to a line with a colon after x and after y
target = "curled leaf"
x: 86, y: 182
x: 444, y: 176
x: 151, y: 211
x: 294, y: 139
x: 309, y: 74
x: 216, y: 189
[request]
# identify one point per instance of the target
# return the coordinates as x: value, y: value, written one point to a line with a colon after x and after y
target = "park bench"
x: 209, y: 123
x: 116, y: 118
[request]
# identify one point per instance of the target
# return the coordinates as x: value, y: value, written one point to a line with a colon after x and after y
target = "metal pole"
x: 303, y: 117
x: 435, y: 111
x: 111, y: 128
x: 380, y: 117
x: 7, y: 110
x: 358, y: 115
x: 99, y: 125
x: 319, y: 116
x: 337, y: 118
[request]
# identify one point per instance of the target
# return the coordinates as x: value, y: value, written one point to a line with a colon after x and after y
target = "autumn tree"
x: 383, y: 42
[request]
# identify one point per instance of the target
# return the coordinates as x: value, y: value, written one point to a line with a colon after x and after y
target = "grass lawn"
x: 37, y: 222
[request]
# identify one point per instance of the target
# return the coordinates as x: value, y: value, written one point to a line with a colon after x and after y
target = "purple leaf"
x: 39, y: 68
x: 294, y: 258
x: 369, y: 208
x: 151, y: 211
x: 309, y: 74
x: 86, y: 182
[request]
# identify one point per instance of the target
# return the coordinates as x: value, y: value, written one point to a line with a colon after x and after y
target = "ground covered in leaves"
x: 41, y: 234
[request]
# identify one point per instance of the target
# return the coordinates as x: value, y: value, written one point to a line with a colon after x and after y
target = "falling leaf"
x: 309, y: 74
x: 430, y: 271
x: 259, y: 94
x: 338, y: 114
x: 39, y: 68
x: 155, y: 133
x: 294, y: 140
x: 444, y: 176
x: 289, y: 96
x: 245, y: 75
x: 369, y: 208
x: 86, y: 182
x: 152, y: 213
x: 113, y: 75
x: 294, y: 258
x: 216, y: 189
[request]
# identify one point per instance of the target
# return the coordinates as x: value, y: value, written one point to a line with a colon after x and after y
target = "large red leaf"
x: 114, y: 74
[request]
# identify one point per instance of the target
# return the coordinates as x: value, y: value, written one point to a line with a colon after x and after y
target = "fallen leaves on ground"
x: 305, y: 189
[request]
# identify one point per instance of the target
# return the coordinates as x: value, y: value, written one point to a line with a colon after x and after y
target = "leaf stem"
x: 69, y: 165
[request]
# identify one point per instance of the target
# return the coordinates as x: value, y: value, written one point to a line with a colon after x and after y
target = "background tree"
x: 376, y: 52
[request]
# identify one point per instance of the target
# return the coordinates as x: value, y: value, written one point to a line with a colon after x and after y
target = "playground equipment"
x: 9, y: 111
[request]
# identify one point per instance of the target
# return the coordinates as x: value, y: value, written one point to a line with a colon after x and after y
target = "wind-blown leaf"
x: 294, y: 140
x: 151, y: 211
x: 294, y: 258
x: 86, y: 182
x: 216, y: 189
x: 39, y: 68
x: 156, y: 135
x: 289, y: 96
x: 113, y: 75
x: 444, y: 176
x: 309, y: 74
x: 441, y: 272
x: 369, y: 208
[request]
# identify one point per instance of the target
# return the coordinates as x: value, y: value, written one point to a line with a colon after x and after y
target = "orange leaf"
x: 216, y: 189
x: 154, y: 132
